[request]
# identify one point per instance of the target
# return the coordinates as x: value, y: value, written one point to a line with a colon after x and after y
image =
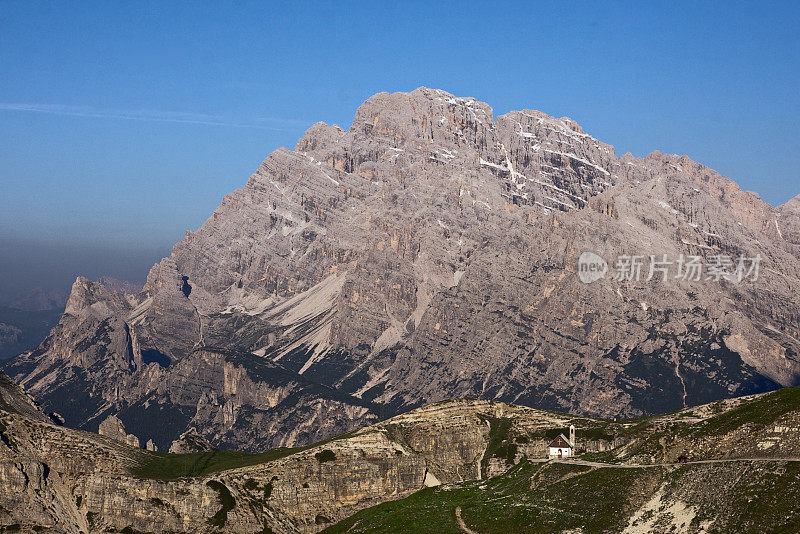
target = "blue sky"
x: 121, y: 126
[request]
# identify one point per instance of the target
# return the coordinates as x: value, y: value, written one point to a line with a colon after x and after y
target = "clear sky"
x: 121, y: 126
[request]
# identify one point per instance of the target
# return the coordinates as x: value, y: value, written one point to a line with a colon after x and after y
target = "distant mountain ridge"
x: 430, y: 252
x: 40, y: 299
x: 22, y: 330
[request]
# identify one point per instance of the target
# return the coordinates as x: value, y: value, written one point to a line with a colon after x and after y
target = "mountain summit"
x: 432, y: 251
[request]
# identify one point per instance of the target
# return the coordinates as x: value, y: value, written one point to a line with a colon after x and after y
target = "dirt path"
x: 463, y: 526
x: 636, y: 466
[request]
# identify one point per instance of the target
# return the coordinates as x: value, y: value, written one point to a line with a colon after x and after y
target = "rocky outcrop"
x: 190, y: 441
x: 114, y: 429
x: 67, y: 480
x: 14, y: 399
x: 787, y: 221
x: 429, y: 252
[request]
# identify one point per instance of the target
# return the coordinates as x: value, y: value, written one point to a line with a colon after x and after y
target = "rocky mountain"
x: 448, y: 467
x: 190, y: 441
x: 113, y: 428
x: 27, y: 320
x: 428, y: 252
x: 238, y: 399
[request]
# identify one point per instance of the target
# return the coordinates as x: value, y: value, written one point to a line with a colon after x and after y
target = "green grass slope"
x: 553, y: 498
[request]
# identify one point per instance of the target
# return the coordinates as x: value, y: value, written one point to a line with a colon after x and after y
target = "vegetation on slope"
x: 739, y: 497
x: 757, y: 413
x: 499, y: 444
x: 168, y: 466
x: 528, y: 498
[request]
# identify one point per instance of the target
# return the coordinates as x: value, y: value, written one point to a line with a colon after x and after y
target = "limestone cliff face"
x: 114, y: 429
x: 429, y: 252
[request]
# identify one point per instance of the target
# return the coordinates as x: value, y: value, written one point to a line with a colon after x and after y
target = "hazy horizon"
x: 51, y: 265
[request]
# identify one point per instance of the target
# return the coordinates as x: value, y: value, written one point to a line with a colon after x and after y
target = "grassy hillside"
x: 553, y: 497
x: 168, y: 466
x: 528, y: 498
x: 722, y: 496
